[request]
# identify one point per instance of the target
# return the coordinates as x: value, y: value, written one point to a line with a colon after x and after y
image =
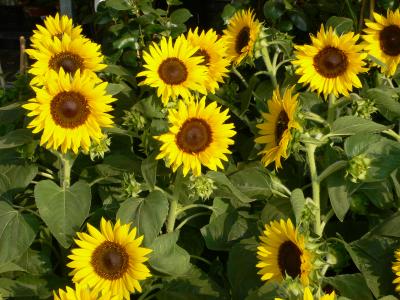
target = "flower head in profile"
x: 282, y: 252
x: 383, y: 40
x: 198, y: 135
x: 174, y: 69
x: 213, y: 50
x: 70, y: 111
x: 110, y: 259
x: 332, y: 63
x: 241, y: 35
x: 277, y: 128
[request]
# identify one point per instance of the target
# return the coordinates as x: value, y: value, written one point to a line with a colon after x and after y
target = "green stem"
x: 371, y: 9
x: 270, y: 68
x: 172, y: 213
x: 331, y: 108
x: 149, y: 291
x: 336, y: 166
x: 189, y: 218
x: 66, y: 165
x: 237, y: 73
x: 314, y: 117
x: 201, y: 259
x: 46, y: 175
x: 328, y: 216
x: 361, y: 19
x: 194, y: 206
x: 310, y: 148
x: 393, y: 134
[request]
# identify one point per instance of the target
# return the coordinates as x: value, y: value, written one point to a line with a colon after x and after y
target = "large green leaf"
x: 277, y: 208
x: 352, y: 286
x: 63, y: 210
x: 340, y: 24
x: 147, y: 214
x: 118, y: 4
x: 338, y: 194
x: 17, y: 232
x: 386, y: 102
x: 167, y: 257
x: 267, y: 291
x: 180, y: 16
x: 298, y: 202
x: 252, y: 182
x: 149, y: 170
x: 25, y: 287
x: 15, y: 138
x: 14, y: 178
x: 349, y: 125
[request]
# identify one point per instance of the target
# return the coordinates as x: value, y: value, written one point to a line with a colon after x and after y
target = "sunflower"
x: 276, y: 131
x: 241, y: 35
x: 213, y: 51
x: 383, y: 40
x: 110, y: 259
x: 197, y: 135
x: 54, y: 27
x: 331, y: 63
x: 282, y: 252
x: 308, y: 295
x: 70, y: 111
x: 174, y: 69
x: 65, y: 53
x: 396, y: 270
x: 82, y: 293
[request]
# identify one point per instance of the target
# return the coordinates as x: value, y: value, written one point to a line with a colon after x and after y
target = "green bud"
x: 134, y: 120
x: 363, y: 108
x: 358, y: 167
x: 201, y: 186
x: 97, y: 150
x: 130, y: 187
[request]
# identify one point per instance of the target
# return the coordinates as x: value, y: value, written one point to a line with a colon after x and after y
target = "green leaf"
x: 35, y: 262
x: 352, y: 286
x: 298, y: 203
x: 10, y: 112
x: 338, y: 195
x: 63, y: 210
x: 276, y: 208
x: 15, y: 138
x: 299, y: 19
x: 167, y: 257
x: 268, y: 290
x: 118, y: 4
x: 390, y: 227
x: 252, y: 182
x: 174, y: 2
x: 241, y: 269
x: 28, y: 286
x: 228, y: 12
x: 180, y: 16
x: 149, y: 170
x: 114, y: 88
x: 17, y: 232
x: 340, y: 24
x: 194, y: 285
x: 349, y: 125
x: 273, y: 10
x: 116, y: 70
x: 148, y: 214
x: 378, y: 193
x: 10, y: 267
x: 14, y: 178
x: 386, y: 102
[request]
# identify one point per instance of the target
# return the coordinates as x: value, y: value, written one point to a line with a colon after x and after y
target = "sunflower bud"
x: 363, y: 108
x: 97, y: 150
x: 358, y: 167
x: 134, y: 120
x: 201, y: 186
x: 130, y: 187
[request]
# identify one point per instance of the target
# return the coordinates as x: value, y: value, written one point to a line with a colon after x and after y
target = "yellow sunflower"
x: 213, y: 51
x: 241, y: 35
x: 331, y: 63
x: 197, y: 135
x: 54, y: 27
x: 82, y: 293
x: 276, y: 131
x: 383, y: 40
x: 396, y: 270
x: 71, y: 111
x: 282, y: 252
x: 65, y: 53
x: 173, y: 69
x: 308, y: 295
x: 110, y: 259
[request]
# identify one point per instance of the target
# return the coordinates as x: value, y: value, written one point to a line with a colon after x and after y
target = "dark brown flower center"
x: 194, y: 136
x: 289, y: 259
x: 69, y: 109
x: 242, y: 39
x: 110, y: 260
x: 172, y: 71
x: 281, y: 125
x: 390, y: 40
x: 206, y: 56
x: 330, y: 62
x: 70, y: 62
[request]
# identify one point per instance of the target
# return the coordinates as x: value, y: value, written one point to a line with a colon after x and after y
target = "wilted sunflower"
x: 82, y: 293
x: 173, y: 69
x: 66, y: 53
x: 276, y: 131
x: 213, y: 51
x: 197, y: 135
x: 331, y: 63
x: 54, y: 27
x: 282, y: 252
x: 396, y: 270
x: 241, y: 35
x: 308, y: 295
x: 110, y: 259
x: 70, y: 111
x: 383, y: 40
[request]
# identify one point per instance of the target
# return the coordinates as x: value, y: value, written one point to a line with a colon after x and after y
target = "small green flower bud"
x: 130, y: 187
x: 363, y: 108
x: 201, y: 186
x: 134, y: 120
x: 97, y: 150
x: 358, y: 167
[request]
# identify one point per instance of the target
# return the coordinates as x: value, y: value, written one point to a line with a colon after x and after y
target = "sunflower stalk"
x: 67, y: 160
x: 173, y: 203
x: 331, y: 108
x: 270, y: 68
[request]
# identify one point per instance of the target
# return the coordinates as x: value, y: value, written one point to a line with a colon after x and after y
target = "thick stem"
x: 331, y: 108
x: 310, y: 148
x: 66, y: 165
x: 173, y: 205
x: 270, y: 68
